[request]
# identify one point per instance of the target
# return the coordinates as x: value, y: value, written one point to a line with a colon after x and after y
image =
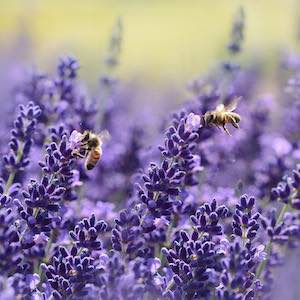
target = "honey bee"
x: 223, y: 115
x: 91, y: 147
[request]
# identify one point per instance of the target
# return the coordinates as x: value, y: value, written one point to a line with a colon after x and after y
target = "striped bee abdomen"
x: 92, y: 158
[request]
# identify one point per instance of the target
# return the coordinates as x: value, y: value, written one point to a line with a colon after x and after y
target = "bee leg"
x: 77, y: 154
x: 84, y: 145
x: 226, y: 130
x: 218, y: 127
x: 234, y: 123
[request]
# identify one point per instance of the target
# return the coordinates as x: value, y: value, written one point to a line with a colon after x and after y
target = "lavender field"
x: 103, y: 196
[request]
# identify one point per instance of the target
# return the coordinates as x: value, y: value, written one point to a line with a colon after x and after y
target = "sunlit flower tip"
x: 75, y: 139
x: 281, y: 146
x: 32, y: 280
x: 76, y: 179
x: 154, y: 264
x: 224, y: 246
x: 193, y: 122
x: 260, y: 255
x: 103, y: 259
x: 161, y: 222
x: 197, y: 163
x: 158, y: 281
x: 40, y: 238
x: 296, y: 154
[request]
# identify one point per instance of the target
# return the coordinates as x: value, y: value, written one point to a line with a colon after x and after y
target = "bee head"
x: 208, y: 118
x: 85, y: 136
x: 91, y: 139
x: 237, y: 118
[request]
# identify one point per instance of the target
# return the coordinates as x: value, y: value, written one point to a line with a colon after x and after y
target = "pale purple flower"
x: 161, y: 222
x: 75, y: 140
x: 63, y: 106
x: 32, y: 280
x: 154, y: 264
x: 296, y: 154
x: 76, y: 179
x: 224, y: 246
x: 158, y: 280
x: 103, y: 259
x: 281, y: 146
x: 40, y: 238
x: 197, y: 163
x: 260, y: 255
x: 193, y: 122
x: 7, y: 291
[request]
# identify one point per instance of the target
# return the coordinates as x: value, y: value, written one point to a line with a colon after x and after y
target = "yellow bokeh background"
x: 164, y: 40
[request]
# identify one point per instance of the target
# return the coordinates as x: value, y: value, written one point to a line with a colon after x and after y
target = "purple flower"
x: 32, y: 280
x: 260, y: 255
x: 75, y: 140
x: 167, y: 222
x: 40, y: 238
x: 154, y: 264
x: 224, y: 246
x: 237, y: 32
x: 193, y: 122
x: 161, y: 222
x: 86, y: 232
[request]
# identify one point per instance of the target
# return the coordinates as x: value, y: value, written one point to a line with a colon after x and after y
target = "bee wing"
x: 233, y: 105
x: 104, y: 135
x: 220, y: 108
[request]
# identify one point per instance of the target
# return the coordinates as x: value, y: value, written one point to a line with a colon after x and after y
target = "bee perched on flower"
x: 88, y: 145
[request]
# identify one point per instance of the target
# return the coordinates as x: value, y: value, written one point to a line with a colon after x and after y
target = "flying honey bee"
x: 223, y: 115
x: 91, y: 147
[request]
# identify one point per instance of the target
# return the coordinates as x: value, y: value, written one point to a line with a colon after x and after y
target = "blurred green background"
x: 164, y: 41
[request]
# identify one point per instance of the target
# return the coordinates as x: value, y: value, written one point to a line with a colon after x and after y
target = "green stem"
x: 172, y: 161
x: 35, y: 212
x: 284, y: 209
x: 146, y: 296
x: 12, y: 175
x: 10, y: 181
x: 244, y: 236
x: 49, y: 244
x: 80, y: 251
x: 263, y: 264
x: 157, y: 251
x: 170, y: 285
